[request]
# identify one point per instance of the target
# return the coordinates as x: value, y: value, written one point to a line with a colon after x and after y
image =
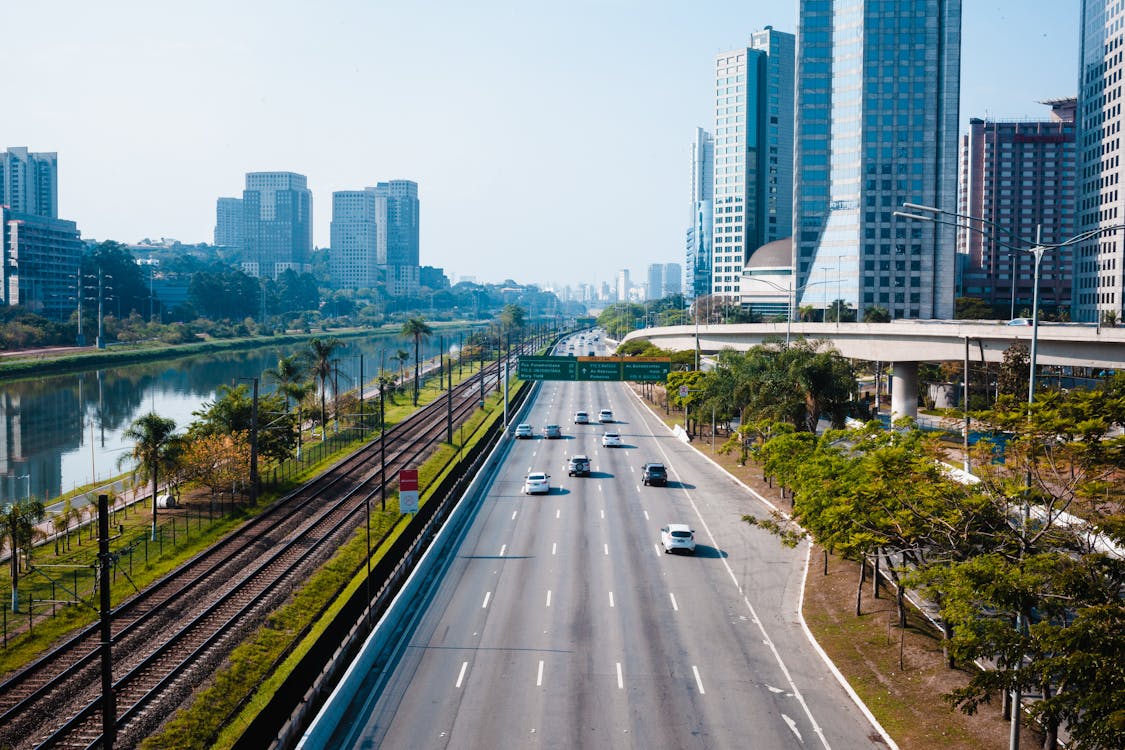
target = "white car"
x: 523, y: 431
x: 581, y: 417
x: 677, y: 537
x: 605, y: 415
x: 537, y: 483
x: 611, y: 440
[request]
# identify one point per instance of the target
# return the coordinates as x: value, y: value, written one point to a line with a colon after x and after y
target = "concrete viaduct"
x: 905, y: 343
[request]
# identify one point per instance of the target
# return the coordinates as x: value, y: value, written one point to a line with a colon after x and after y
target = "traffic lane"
x: 769, y: 577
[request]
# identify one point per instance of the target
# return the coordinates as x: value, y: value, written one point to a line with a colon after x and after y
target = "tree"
x: 320, y: 358
x: 155, y: 449
x: 232, y: 412
x: 417, y: 328
x: 402, y: 357
x: 18, y: 529
x: 876, y: 314
x: 217, y: 461
x: 1012, y: 379
x: 971, y: 308
x: 289, y: 374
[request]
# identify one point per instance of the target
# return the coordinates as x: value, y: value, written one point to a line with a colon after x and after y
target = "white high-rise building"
x: 1099, y: 264
x: 29, y: 182
x: 753, y: 146
x: 353, y: 259
x: 697, y: 253
x: 229, y: 222
x: 622, y: 285
x: 878, y: 89
x: 277, y: 228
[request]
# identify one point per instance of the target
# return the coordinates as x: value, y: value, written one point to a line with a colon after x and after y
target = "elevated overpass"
x: 905, y: 343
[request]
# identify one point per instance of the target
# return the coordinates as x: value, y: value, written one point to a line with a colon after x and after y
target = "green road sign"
x: 547, y: 368
x: 645, y: 369
x: 599, y: 368
x: 594, y: 368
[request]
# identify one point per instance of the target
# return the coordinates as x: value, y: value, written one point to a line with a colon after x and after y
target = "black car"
x: 578, y: 466
x: 654, y: 474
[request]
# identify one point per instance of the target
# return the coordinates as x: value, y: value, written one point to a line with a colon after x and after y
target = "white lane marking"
x: 487, y: 596
x: 698, y: 680
x: 610, y: 598
x: 620, y: 678
x: 606, y: 548
x: 558, y: 513
x: 539, y: 677
x: 633, y: 469
x: 646, y: 516
x: 773, y: 689
x: 548, y: 597
x: 603, y: 513
x: 461, y: 675
x: 554, y: 545
x: 656, y: 547
x: 600, y: 488
x: 793, y: 725
x: 675, y: 607
x: 503, y: 548
x: 514, y: 512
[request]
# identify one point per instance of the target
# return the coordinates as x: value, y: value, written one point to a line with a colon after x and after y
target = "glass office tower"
x: 878, y: 85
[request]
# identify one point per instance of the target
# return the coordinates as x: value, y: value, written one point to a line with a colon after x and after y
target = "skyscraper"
x: 878, y: 88
x: 622, y: 285
x: 29, y: 182
x: 1019, y: 178
x: 353, y: 260
x: 673, y: 279
x: 697, y: 255
x: 1099, y: 268
x: 397, y: 214
x: 229, y: 222
x: 753, y: 142
x: 40, y: 263
x: 277, y: 229
x: 654, y: 285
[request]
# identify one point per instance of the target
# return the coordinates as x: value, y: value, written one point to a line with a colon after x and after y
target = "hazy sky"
x: 549, y: 140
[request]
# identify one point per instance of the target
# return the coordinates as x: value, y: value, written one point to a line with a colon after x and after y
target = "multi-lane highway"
x: 561, y: 622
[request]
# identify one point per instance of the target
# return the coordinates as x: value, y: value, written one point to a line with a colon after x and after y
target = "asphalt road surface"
x: 562, y: 624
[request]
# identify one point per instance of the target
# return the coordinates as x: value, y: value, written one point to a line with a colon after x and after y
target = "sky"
x: 549, y: 139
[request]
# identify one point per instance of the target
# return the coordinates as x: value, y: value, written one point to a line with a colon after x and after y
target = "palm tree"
x: 320, y: 355
x: 403, y: 357
x: 417, y: 328
x: 155, y: 445
x: 290, y: 378
x: 17, y: 528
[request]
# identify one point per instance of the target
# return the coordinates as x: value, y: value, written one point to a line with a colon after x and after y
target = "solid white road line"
x: 675, y: 607
x: 548, y: 597
x: 620, y: 679
x: 487, y: 596
x: 539, y: 677
x: 610, y: 598
x: 698, y: 681
x: 503, y: 548
x: 461, y: 675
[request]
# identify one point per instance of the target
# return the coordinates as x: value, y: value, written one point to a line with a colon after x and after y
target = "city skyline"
x: 514, y: 136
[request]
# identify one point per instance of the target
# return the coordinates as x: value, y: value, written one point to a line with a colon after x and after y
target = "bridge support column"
x: 904, y: 390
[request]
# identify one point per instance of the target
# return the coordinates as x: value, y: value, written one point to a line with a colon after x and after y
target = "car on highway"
x: 677, y: 537
x: 605, y: 415
x: 523, y: 431
x: 578, y: 466
x: 552, y: 431
x: 654, y: 474
x: 581, y: 417
x: 537, y: 483
x: 611, y: 440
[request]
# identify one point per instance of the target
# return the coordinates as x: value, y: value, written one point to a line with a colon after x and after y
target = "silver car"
x: 678, y: 537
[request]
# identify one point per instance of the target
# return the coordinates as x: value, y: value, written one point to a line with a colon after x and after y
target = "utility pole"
x: 109, y: 704
x: 254, y: 445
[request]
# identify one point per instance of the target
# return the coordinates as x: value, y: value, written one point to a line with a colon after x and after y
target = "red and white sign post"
x: 408, y: 491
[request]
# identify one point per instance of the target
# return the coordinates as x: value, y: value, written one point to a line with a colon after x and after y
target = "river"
x: 62, y: 432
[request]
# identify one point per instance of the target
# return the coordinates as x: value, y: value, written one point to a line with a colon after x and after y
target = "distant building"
x: 1099, y: 263
x: 40, y: 263
x: 673, y: 279
x: 397, y: 214
x: 433, y: 278
x: 29, y: 182
x: 277, y: 229
x: 878, y: 91
x: 697, y: 253
x: 229, y: 221
x: 1018, y: 177
x: 654, y: 285
x: 353, y: 260
x: 753, y: 143
x: 622, y: 285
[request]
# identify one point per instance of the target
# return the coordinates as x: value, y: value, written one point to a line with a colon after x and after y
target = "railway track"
x: 170, y: 637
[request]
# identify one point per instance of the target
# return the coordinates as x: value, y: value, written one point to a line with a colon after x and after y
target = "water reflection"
x: 61, y: 432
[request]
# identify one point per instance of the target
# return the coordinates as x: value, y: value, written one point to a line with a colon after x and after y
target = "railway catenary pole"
x: 109, y: 707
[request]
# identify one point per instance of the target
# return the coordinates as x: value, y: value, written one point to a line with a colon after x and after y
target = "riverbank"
x: 35, y: 363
